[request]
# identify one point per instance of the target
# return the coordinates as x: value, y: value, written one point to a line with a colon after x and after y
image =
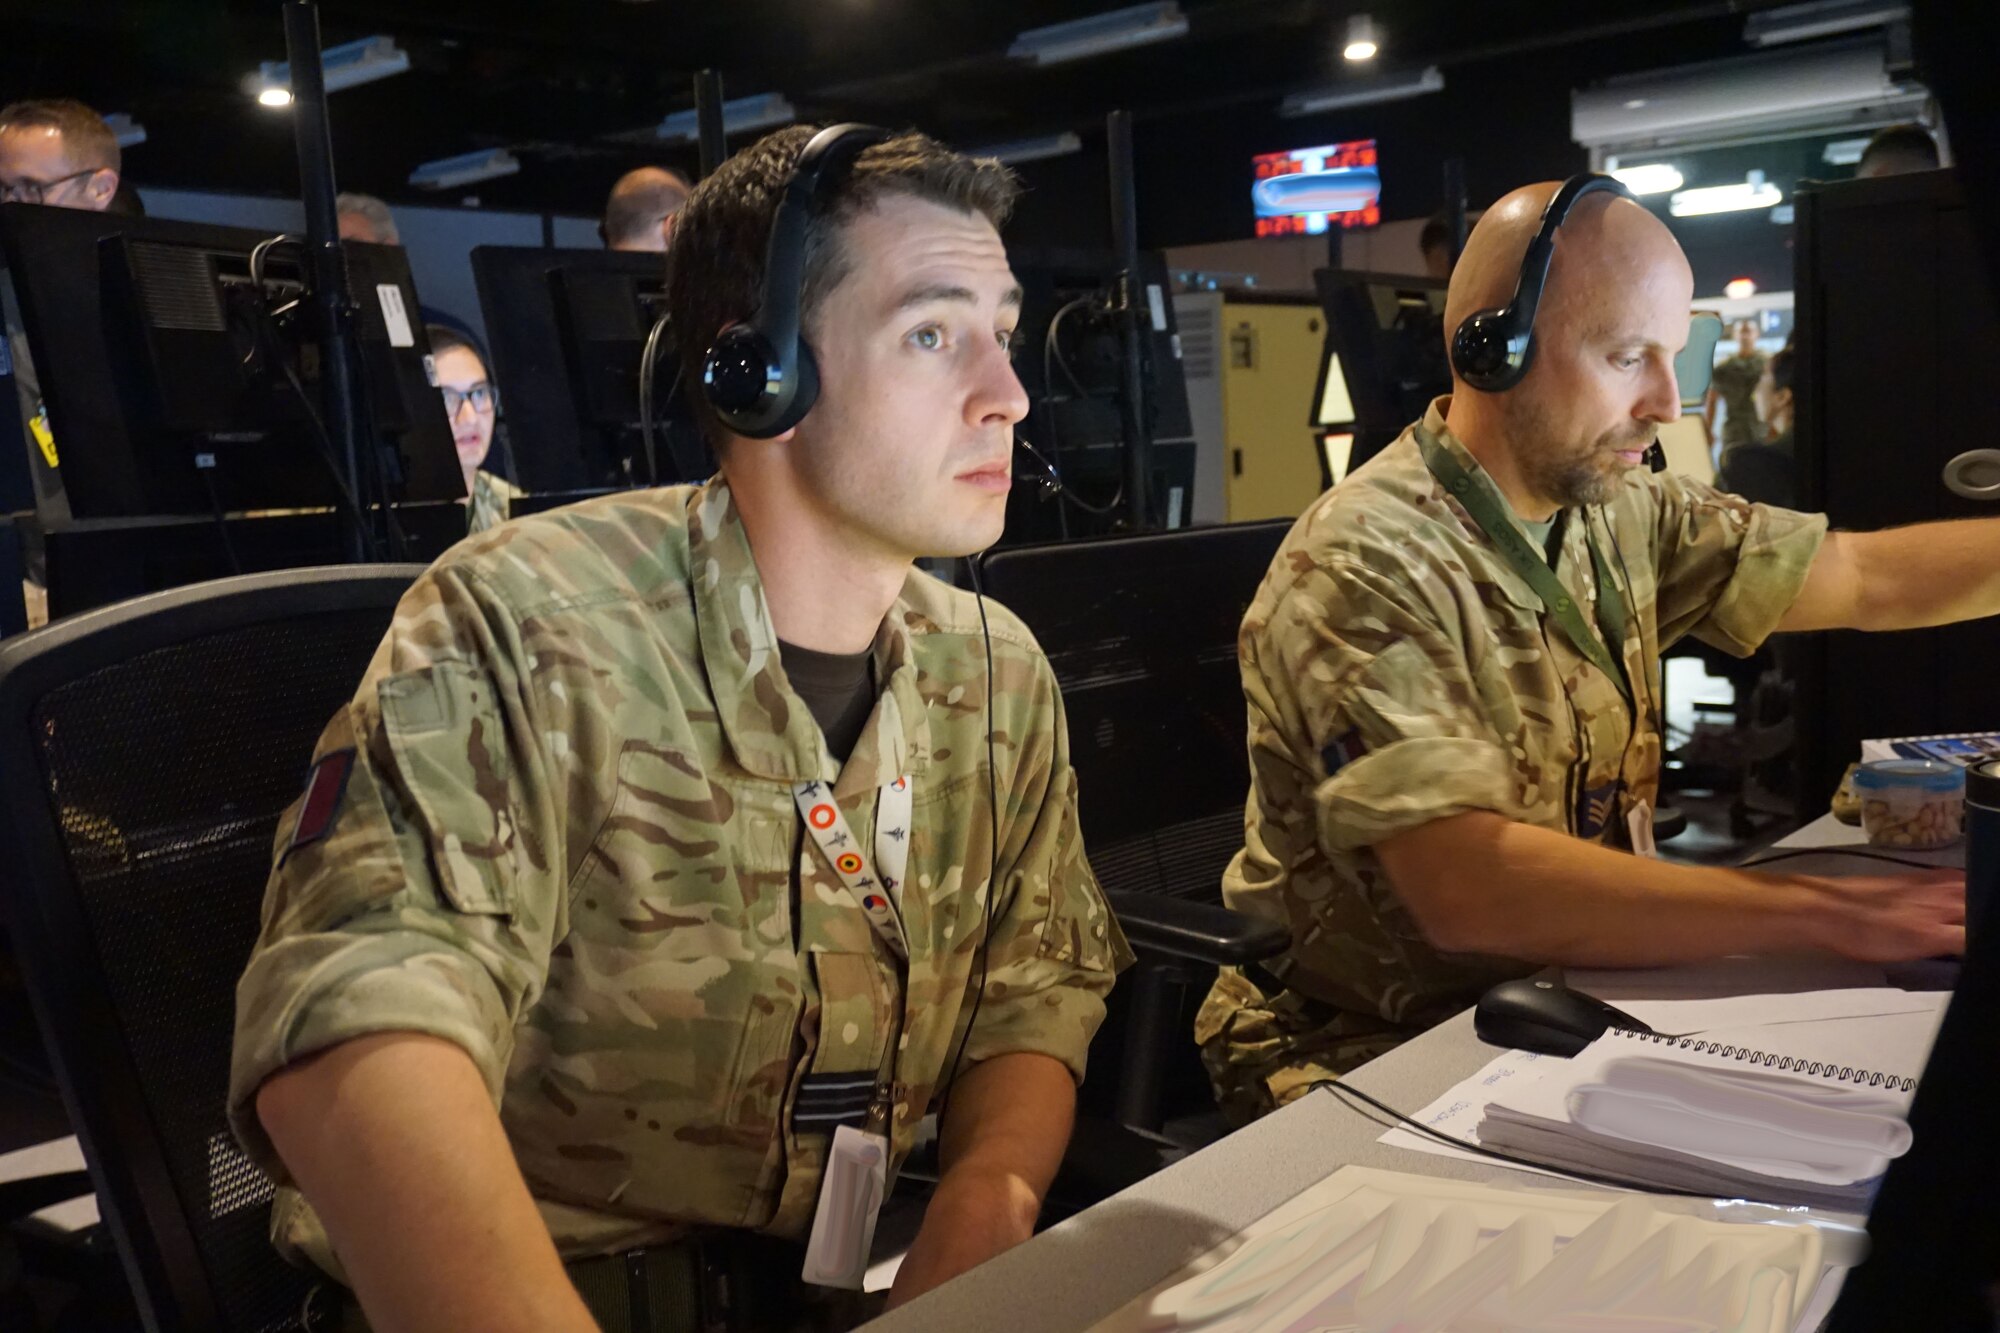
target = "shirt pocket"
x: 449, y: 742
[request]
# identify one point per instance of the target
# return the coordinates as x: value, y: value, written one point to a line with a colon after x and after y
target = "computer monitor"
x: 175, y: 386
x: 568, y: 330
x: 1387, y: 332
x: 1067, y: 353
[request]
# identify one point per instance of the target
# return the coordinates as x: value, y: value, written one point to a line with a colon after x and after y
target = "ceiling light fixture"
x: 740, y: 115
x: 1650, y: 177
x: 465, y: 169
x: 1361, y: 42
x: 1820, y: 18
x: 1843, y: 152
x: 1739, y: 289
x: 343, y: 66
x: 129, y: 132
x: 1118, y: 30
x: 1031, y: 150
x: 1363, y: 92
x: 1753, y: 192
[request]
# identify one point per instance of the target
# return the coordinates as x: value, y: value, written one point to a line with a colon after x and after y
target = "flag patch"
x: 326, y: 788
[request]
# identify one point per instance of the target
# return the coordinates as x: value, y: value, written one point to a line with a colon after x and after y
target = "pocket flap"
x: 450, y: 746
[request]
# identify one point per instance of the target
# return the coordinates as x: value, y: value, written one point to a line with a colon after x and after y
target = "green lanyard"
x: 1489, y: 510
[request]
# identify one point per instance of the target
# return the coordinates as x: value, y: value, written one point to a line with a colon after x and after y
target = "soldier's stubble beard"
x: 1563, y: 469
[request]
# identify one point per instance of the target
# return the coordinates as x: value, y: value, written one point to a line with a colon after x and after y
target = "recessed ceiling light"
x: 1361, y: 43
x: 1634, y: 103
x: 275, y: 97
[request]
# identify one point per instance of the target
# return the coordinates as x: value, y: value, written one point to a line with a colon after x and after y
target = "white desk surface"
x: 1084, y: 1268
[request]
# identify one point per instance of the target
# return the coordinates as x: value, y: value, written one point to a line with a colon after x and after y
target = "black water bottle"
x: 1982, y: 845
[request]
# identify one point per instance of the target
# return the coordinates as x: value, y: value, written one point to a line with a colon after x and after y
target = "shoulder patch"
x: 326, y: 788
x: 1342, y: 751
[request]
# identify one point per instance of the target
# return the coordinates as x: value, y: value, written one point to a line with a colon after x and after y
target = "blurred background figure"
x: 1734, y: 388
x: 57, y: 152
x: 472, y: 404
x: 1435, y: 242
x: 639, y: 215
x: 363, y: 217
x: 1898, y: 149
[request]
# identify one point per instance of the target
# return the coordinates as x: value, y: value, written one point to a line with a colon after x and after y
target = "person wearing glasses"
x: 59, y: 153
x: 471, y: 404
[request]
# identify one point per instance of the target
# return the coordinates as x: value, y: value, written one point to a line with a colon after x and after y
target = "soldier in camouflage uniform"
x: 552, y: 859
x: 1733, y: 384
x: 1448, y: 766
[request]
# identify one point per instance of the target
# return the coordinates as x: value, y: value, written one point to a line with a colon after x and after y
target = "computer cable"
x: 1352, y: 1095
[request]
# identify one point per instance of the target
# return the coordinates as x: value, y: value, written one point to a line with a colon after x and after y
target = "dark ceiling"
x: 567, y: 84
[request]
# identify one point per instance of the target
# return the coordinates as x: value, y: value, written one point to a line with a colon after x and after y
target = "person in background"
x: 1766, y: 472
x: 1734, y: 386
x: 363, y: 217
x: 61, y: 154
x: 1435, y: 242
x: 472, y: 404
x: 639, y: 215
x: 1896, y: 150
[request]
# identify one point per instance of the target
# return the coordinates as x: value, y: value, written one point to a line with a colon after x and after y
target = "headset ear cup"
x: 1480, y: 351
x: 805, y: 377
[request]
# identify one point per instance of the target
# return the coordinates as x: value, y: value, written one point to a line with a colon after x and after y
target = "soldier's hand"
x: 1895, y: 918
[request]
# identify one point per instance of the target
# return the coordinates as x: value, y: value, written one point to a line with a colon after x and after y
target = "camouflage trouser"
x: 1263, y: 1052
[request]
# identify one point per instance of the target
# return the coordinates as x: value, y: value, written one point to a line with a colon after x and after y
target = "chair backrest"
x: 147, y: 750
x: 1141, y: 632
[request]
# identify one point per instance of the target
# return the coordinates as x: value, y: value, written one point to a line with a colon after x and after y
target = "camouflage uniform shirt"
x: 1397, y: 671
x: 1735, y: 382
x: 491, y: 501
x: 568, y: 844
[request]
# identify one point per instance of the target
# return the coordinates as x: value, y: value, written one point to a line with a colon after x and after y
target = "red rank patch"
x: 326, y: 788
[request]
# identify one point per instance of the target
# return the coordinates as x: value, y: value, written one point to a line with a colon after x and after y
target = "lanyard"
x: 1490, y: 512
x: 878, y: 894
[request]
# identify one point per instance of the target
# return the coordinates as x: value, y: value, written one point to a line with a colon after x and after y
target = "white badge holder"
x: 850, y: 1200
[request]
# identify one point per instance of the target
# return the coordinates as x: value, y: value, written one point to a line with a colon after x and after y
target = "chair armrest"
x: 1198, y: 932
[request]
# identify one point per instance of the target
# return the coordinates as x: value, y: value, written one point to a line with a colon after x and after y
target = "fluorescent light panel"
x: 129, y: 132
x: 1118, y: 30
x: 1363, y: 92
x: 1031, y: 150
x: 1650, y: 177
x: 1753, y: 193
x: 1821, y: 18
x: 740, y: 115
x: 343, y: 66
x: 465, y: 169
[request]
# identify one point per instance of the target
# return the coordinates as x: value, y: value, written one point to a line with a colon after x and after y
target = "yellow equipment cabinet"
x: 1272, y: 346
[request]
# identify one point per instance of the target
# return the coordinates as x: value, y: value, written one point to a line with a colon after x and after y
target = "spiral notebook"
x: 1801, y: 1113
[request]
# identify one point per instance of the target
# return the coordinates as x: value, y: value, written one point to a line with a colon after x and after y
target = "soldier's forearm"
x: 1903, y: 578
x: 1481, y: 883
x: 394, y: 1141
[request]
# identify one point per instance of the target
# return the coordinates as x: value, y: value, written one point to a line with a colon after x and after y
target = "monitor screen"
x: 1307, y: 190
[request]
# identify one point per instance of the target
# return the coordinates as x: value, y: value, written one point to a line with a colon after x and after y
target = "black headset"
x: 1491, y: 349
x: 759, y: 375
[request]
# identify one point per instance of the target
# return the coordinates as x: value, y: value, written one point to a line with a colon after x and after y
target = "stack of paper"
x: 1700, y: 1123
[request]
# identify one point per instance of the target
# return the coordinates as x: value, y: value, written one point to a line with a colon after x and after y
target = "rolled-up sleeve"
x: 422, y: 900
x: 1386, y: 698
x: 1728, y: 570
x: 1056, y: 948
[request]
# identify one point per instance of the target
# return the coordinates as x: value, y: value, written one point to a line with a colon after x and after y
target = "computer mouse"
x: 1545, y: 1017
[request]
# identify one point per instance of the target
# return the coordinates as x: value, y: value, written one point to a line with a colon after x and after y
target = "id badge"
x: 850, y: 1200
x: 1639, y: 823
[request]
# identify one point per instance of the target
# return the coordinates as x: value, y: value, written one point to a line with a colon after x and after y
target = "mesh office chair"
x: 1141, y: 633
x: 147, y: 750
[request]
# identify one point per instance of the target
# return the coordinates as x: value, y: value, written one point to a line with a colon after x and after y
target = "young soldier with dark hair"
x: 553, y: 969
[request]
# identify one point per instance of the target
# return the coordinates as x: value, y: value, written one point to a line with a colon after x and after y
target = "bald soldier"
x: 640, y: 211
x: 1448, y: 772
x: 673, y: 839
